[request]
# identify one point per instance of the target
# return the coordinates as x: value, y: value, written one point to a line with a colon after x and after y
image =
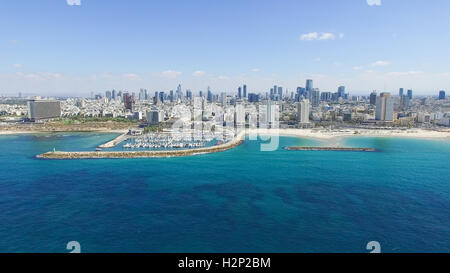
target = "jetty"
x: 330, y: 149
x: 238, y: 140
x: 115, y: 142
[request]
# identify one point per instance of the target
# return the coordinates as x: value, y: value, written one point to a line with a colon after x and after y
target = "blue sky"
x: 57, y: 47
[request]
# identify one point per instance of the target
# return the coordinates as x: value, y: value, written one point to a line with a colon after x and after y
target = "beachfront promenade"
x: 239, y: 139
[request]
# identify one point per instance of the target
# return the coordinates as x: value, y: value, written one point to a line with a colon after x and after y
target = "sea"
x: 240, y: 200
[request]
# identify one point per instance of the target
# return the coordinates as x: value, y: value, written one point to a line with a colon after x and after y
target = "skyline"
x: 69, y: 47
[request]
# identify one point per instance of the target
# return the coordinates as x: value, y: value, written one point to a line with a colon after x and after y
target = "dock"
x: 330, y: 149
x: 114, y: 142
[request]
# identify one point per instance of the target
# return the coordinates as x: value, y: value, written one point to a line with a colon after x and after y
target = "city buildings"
x: 303, y: 111
x: 128, y: 101
x: 384, y: 107
x: 373, y: 98
x: 43, y: 109
x: 442, y: 95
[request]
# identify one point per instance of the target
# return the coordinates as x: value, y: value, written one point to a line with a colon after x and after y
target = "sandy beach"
x: 324, y: 134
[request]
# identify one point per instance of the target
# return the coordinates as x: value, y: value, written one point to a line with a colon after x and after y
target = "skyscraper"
x: 400, y: 92
x: 128, y: 101
x: 108, y: 95
x: 410, y: 94
x: 309, y: 85
x: 315, y: 97
x: 303, y: 109
x: 442, y: 95
x: 341, y: 91
x: 240, y: 92
x: 245, y: 91
x: 385, y: 107
x: 373, y: 98
x: 209, y: 95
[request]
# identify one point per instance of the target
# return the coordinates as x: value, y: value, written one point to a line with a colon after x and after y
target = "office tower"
x: 303, y: 110
x: 309, y: 85
x: 245, y: 91
x: 223, y: 98
x: 113, y: 94
x: 154, y: 116
x: 400, y: 92
x: 404, y: 102
x: 128, y: 101
x: 385, y: 107
x: 108, y: 95
x: 188, y: 94
x: 325, y: 96
x: 442, y: 95
x: 43, y: 109
x: 315, y: 97
x: 280, y: 93
x: 300, y: 93
x: 239, y: 92
x: 252, y: 97
x: 373, y: 98
x: 162, y: 96
x: 209, y: 95
x: 410, y: 94
x: 341, y: 92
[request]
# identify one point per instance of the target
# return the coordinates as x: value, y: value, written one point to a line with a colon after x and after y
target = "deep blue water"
x: 241, y: 200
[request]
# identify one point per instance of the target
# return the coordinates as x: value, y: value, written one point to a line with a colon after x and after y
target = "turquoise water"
x: 241, y: 200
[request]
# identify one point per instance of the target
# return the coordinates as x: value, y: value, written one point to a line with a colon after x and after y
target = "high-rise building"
x: 442, y: 95
x: 223, y: 98
x: 240, y: 92
x: 309, y: 85
x: 404, y: 102
x: 373, y: 98
x: 325, y: 96
x: 108, y: 95
x: 43, y: 109
x: 209, y: 95
x: 385, y: 107
x: 315, y: 97
x: 303, y: 111
x: 410, y: 94
x: 245, y: 91
x: 280, y: 93
x: 252, y: 97
x: 113, y: 94
x: 341, y: 92
x: 128, y: 101
x: 400, y: 92
x: 154, y: 116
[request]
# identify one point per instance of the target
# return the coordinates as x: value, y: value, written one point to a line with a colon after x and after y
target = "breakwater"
x: 143, y: 154
x: 115, y: 142
x: 329, y: 149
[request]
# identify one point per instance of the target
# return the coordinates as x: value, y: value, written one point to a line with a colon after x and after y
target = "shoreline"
x: 12, y: 132
x: 322, y: 134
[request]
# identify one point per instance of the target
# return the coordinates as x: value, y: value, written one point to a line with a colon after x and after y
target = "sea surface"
x: 240, y: 200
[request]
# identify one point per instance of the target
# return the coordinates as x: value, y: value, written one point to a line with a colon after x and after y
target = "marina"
x: 236, y: 141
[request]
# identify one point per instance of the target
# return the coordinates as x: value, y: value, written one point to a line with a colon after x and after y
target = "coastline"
x: 324, y: 134
x: 14, y: 132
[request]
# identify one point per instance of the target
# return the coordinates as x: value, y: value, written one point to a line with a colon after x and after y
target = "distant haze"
x: 77, y: 47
